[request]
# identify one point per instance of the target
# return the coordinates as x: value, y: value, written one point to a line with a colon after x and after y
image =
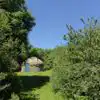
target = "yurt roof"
x: 34, y: 61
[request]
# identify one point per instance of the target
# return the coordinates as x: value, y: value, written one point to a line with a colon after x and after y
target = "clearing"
x: 39, y: 83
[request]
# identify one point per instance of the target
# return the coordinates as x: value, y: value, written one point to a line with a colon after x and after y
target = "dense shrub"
x: 81, y: 79
x: 48, y: 59
x: 14, y: 97
x: 51, y: 56
x: 9, y: 83
x: 28, y: 96
x: 76, y: 72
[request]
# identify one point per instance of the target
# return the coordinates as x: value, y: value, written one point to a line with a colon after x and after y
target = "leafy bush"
x: 76, y: 72
x: 37, y: 52
x: 14, y: 97
x: 51, y: 56
x: 9, y: 83
x: 48, y: 59
x: 28, y: 96
x: 81, y: 79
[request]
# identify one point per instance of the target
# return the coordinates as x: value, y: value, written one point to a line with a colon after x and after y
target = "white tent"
x: 34, y: 61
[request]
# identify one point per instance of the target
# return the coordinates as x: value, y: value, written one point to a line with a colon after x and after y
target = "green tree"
x: 37, y: 52
x: 15, y: 24
x: 12, y: 5
x: 51, y: 55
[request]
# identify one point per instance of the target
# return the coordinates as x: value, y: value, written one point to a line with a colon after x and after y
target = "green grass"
x: 46, y: 93
x: 39, y: 82
x: 45, y: 73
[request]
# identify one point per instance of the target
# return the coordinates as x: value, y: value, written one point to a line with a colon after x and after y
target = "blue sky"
x: 53, y: 15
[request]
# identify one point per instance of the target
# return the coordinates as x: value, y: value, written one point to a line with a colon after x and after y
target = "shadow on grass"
x: 30, y: 82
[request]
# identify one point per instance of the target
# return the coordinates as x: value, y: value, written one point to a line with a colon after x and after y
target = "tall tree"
x: 12, y: 5
x: 15, y: 24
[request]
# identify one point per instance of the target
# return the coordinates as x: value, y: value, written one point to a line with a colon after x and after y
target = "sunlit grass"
x: 45, y: 91
x: 45, y: 73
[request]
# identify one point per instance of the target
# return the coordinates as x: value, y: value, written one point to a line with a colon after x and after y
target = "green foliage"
x: 13, y: 41
x: 28, y: 96
x: 46, y: 55
x: 12, y: 5
x: 81, y: 79
x: 14, y: 97
x: 37, y: 52
x: 76, y: 72
x: 15, y: 23
x: 9, y: 83
x: 45, y: 92
x: 48, y: 58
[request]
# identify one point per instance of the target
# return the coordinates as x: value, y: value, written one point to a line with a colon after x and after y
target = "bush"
x: 52, y: 55
x: 14, y: 97
x: 28, y: 96
x: 10, y: 83
x: 76, y: 72
x: 48, y: 59
x: 81, y: 79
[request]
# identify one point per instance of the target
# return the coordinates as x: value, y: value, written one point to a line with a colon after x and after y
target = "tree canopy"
x: 15, y: 24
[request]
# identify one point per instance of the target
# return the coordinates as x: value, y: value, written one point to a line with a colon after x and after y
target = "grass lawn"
x: 39, y: 82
